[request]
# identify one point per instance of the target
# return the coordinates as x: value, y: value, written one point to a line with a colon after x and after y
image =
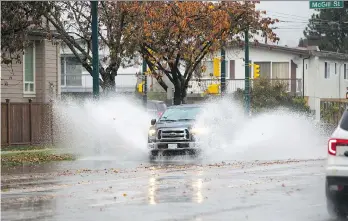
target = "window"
x: 208, y: 69
x: 335, y: 68
x: 62, y: 71
x: 280, y: 70
x: 265, y: 69
x: 29, y: 69
x: 327, y: 70
x: 180, y: 114
x: 232, y: 69
x: 161, y: 107
x: 345, y: 71
x: 151, y: 106
x: 71, y: 70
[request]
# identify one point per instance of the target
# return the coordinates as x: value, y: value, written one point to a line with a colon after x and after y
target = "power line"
x: 292, y: 15
x: 296, y: 18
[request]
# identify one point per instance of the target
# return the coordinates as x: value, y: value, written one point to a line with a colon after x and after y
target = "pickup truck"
x: 175, y: 132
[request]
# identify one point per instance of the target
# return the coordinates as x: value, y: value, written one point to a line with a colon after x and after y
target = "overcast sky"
x: 293, y: 15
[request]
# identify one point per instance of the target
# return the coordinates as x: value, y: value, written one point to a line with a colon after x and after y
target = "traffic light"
x: 141, y: 87
x: 256, y: 71
x: 216, y: 67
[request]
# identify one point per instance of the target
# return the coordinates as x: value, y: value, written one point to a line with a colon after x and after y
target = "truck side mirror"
x: 153, y: 122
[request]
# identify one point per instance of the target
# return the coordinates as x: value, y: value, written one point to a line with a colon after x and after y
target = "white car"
x: 337, y: 171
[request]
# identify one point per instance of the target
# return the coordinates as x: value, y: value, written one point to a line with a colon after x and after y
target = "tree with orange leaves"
x: 176, y: 36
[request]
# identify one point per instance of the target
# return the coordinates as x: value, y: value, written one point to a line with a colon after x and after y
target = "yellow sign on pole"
x: 216, y: 67
x: 141, y: 87
x: 213, y: 89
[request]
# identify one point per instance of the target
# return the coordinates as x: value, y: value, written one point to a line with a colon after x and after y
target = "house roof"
x: 42, y: 33
x: 298, y: 51
x: 309, y: 51
x: 329, y: 54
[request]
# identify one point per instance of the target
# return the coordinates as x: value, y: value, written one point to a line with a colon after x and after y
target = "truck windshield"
x: 180, y: 114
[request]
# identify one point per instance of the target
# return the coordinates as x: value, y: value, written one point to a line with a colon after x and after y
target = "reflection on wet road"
x: 245, y: 191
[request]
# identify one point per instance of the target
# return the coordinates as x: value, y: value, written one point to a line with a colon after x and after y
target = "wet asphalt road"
x: 260, y: 191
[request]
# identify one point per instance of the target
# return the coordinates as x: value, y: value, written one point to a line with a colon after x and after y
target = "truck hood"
x: 178, y: 124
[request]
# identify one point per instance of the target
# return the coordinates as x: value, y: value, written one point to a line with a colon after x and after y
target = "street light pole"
x: 223, y: 71
x: 95, y: 50
x: 145, y: 83
x: 247, y: 74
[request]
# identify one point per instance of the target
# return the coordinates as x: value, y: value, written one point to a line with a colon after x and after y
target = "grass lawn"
x: 15, y: 156
x: 25, y: 147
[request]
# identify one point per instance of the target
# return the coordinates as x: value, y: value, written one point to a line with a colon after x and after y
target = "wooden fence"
x: 26, y: 123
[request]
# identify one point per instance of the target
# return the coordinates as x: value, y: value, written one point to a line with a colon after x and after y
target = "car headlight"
x: 199, y: 130
x: 152, y: 132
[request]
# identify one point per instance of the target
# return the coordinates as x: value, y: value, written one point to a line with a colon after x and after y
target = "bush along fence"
x: 26, y: 123
x: 266, y: 94
x: 332, y: 110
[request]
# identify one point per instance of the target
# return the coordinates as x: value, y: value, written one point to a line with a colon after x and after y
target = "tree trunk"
x: 183, y: 95
x: 179, y: 95
x: 109, y: 85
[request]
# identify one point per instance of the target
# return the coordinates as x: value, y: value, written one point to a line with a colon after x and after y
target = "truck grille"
x: 173, y: 135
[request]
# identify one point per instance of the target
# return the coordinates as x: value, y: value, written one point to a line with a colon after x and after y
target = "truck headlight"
x: 152, y: 132
x: 199, y: 130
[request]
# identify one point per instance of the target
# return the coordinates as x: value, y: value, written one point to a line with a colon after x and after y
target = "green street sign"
x: 325, y: 4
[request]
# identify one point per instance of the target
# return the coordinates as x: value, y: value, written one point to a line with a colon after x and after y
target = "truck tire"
x: 153, y: 155
x: 152, y: 158
x: 334, y: 210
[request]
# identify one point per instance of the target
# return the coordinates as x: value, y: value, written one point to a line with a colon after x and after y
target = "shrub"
x: 266, y: 94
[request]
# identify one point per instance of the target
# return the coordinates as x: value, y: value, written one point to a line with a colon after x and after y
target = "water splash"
x: 276, y: 135
x: 116, y: 129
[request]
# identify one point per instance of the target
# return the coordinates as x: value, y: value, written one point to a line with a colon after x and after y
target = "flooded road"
x: 272, y: 190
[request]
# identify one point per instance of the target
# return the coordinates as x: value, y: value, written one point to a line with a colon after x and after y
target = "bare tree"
x: 73, y: 21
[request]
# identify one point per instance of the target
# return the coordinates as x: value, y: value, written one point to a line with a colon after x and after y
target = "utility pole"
x: 223, y: 71
x: 247, y: 74
x: 95, y: 50
x: 144, y: 77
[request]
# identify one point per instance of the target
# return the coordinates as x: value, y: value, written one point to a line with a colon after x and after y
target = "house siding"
x: 261, y: 55
x: 45, y: 71
x: 51, y: 71
x: 40, y: 64
x: 13, y: 77
x: 318, y: 87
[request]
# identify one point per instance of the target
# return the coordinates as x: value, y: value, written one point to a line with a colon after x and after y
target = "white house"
x: 275, y: 62
x: 309, y: 72
x: 76, y: 79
